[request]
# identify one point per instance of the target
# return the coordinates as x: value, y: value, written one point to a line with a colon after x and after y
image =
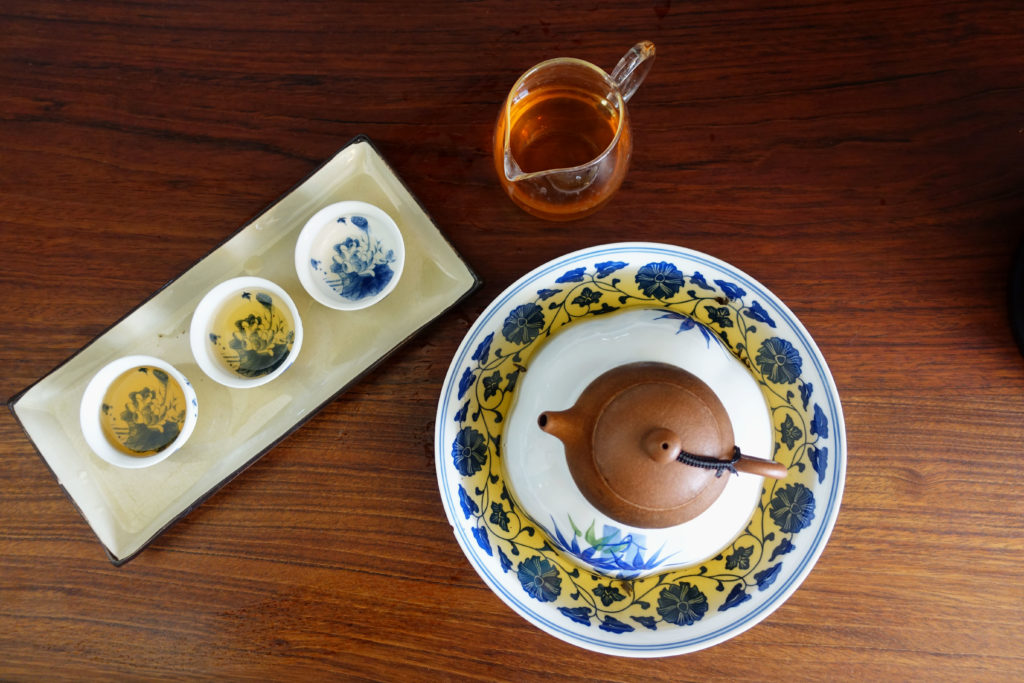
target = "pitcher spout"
x: 513, y: 173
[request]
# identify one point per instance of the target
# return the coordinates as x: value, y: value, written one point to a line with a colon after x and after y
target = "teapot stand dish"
x: 536, y: 464
x: 547, y: 576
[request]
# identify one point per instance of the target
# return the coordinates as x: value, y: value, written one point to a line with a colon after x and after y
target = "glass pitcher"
x: 563, y: 140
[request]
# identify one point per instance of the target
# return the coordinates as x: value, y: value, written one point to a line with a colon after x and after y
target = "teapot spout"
x: 559, y: 423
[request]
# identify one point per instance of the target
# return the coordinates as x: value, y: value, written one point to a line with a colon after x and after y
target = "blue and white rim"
x: 627, y: 644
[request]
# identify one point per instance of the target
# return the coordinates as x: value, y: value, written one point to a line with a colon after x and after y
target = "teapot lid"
x: 634, y: 426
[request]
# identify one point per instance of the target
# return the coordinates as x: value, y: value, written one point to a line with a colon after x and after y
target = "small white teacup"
x: 349, y: 255
x: 245, y: 332
x: 137, y: 411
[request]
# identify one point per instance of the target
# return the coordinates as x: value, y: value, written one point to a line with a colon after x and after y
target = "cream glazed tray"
x: 129, y: 508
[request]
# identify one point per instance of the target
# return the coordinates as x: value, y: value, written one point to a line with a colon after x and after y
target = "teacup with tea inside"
x: 245, y: 332
x: 138, y: 410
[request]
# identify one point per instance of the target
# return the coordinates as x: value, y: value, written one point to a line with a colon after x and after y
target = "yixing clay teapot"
x: 647, y: 443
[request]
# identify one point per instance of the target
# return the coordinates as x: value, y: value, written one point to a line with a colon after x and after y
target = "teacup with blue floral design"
x: 137, y: 411
x: 349, y: 255
x: 245, y: 332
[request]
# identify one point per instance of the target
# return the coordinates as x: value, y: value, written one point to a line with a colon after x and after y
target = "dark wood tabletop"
x: 863, y: 160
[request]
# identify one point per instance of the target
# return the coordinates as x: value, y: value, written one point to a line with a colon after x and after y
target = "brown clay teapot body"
x: 648, y: 444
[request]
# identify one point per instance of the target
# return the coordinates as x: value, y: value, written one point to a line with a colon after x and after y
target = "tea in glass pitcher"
x: 563, y: 140
x: 559, y: 127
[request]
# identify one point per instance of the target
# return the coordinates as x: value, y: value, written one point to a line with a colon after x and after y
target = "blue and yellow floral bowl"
x: 544, y: 577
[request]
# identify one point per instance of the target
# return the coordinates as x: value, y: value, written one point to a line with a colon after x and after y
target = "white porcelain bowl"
x: 349, y: 255
x: 261, y: 345
x: 142, y: 415
x: 535, y: 464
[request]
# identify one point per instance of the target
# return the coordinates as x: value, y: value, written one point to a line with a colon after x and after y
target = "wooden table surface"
x: 864, y: 160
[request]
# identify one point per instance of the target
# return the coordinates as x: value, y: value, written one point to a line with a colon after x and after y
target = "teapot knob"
x: 662, y: 445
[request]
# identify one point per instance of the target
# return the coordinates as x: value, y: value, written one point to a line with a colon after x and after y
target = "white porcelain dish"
x: 546, y: 575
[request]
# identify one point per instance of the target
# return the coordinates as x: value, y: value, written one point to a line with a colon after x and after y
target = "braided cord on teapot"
x: 707, y: 463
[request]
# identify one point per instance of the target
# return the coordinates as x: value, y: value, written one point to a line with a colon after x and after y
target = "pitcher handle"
x: 632, y: 69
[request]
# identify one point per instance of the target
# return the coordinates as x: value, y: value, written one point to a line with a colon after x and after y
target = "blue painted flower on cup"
x: 361, y: 264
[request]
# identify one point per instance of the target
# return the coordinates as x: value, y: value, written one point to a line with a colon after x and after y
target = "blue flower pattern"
x: 682, y: 604
x: 613, y: 625
x: 660, y: 280
x: 469, y: 452
x: 792, y: 507
x: 614, y: 552
x: 361, y: 266
x: 574, y: 275
x: 480, y: 534
x: 581, y: 615
x: 819, y: 424
x: 756, y: 312
x: 540, y: 579
x: 468, y: 505
x: 730, y: 290
x: 523, y: 324
x: 466, y: 382
x: 766, y: 578
x: 647, y: 622
x: 779, y: 360
x: 819, y: 460
x: 688, y: 323
x: 782, y: 548
x: 698, y: 280
x: 737, y: 596
x: 483, y: 349
x: 506, y: 563
x: 606, y: 268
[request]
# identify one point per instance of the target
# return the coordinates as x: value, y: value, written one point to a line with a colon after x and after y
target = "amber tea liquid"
x: 558, y: 127
x: 143, y: 411
x: 252, y: 333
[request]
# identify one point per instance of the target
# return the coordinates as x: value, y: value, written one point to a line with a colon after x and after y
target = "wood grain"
x: 864, y: 160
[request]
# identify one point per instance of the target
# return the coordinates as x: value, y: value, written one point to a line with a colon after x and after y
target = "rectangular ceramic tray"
x: 128, y: 508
